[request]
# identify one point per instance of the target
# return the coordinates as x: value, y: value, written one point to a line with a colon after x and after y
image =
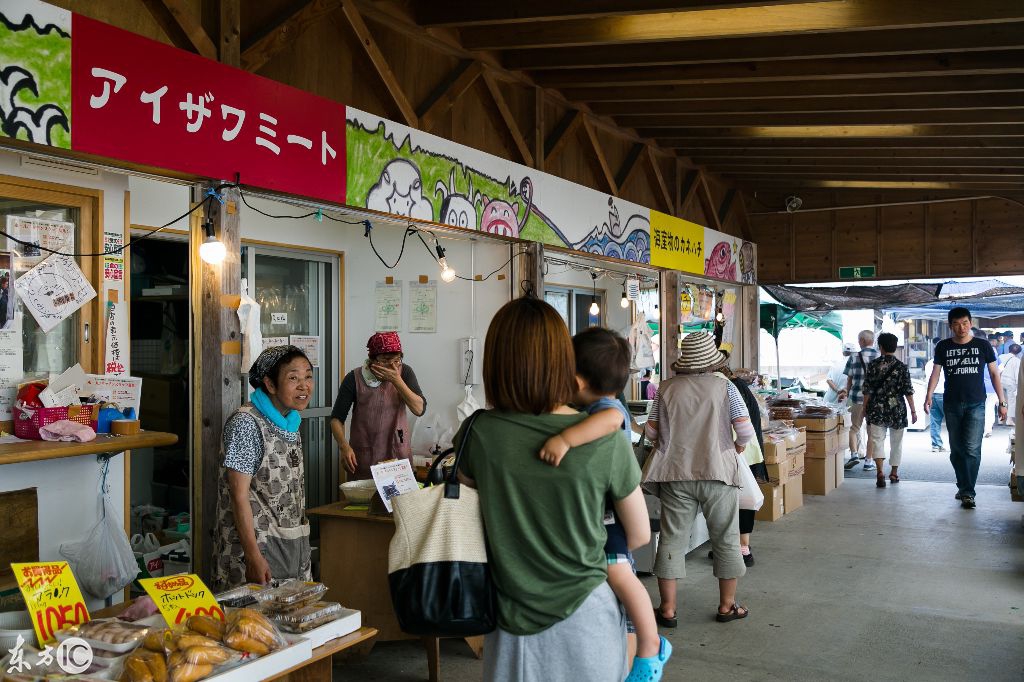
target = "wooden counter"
x: 354, y: 565
x: 40, y: 450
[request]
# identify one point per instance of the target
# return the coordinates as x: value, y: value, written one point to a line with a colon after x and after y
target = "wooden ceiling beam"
x: 458, y: 13
x: 839, y: 68
x: 871, y: 155
x: 703, y: 145
x: 874, y: 165
x: 830, y: 118
x: 876, y: 184
x: 707, y: 203
x: 808, y: 105
x: 283, y: 33
x: 658, y: 180
x: 510, y: 121
x: 831, y: 132
x: 181, y: 28
x: 629, y: 164
x: 230, y: 32
x: 1009, y: 175
x: 448, y: 92
x: 599, y: 157
x: 380, y: 63
x: 799, y: 88
x: 688, y: 189
x: 772, y: 48
x: 834, y: 15
x: 562, y: 133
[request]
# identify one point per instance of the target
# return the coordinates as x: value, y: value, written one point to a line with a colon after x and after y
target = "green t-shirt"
x: 544, y: 524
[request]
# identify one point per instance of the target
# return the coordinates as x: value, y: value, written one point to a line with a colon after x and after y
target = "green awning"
x: 776, y: 317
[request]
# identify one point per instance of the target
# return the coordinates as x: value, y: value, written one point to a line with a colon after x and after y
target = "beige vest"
x: 695, y: 432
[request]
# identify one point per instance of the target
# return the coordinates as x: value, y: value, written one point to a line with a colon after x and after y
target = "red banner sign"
x: 145, y: 102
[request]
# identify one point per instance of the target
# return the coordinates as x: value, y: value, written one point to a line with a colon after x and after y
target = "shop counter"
x: 354, y: 565
x: 39, y: 450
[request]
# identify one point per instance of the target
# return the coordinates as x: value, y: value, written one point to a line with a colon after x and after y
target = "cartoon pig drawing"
x: 399, y: 191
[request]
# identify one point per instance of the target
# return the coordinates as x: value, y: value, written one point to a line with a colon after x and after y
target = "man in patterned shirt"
x: 856, y: 367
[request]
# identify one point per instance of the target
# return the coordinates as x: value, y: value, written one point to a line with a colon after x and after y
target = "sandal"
x: 665, y: 621
x: 732, y: 614
x: 880, y: 481
x: 894, y: 478
x: 650, y: 669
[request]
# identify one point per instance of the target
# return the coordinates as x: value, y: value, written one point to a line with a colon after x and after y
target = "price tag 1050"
x: 181, y: 596
x: 52, y: 597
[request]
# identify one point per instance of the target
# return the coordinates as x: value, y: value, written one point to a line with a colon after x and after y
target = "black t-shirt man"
x: 963, y: 365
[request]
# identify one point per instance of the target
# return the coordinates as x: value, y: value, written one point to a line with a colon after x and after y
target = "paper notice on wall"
x: 113, y: 259
x: 393, y: 478
x: 54, y: 290
x: 125, y: 391
x: 388, y: 305
x: 729, y: 325
x: 310, y: 345
x: 423, y: 307
x: 38, y: 235
x: 12, y: 366
x: 115, y: 361
x: 271, y: 341
x: 279, y: 319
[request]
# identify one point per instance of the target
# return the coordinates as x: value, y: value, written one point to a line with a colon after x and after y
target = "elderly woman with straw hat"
x: 700, y: 423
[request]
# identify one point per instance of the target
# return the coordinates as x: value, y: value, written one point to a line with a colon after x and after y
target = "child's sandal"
x: 650, y: 669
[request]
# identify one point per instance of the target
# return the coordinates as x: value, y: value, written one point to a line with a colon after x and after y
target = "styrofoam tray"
x: 349, y: 621
x: 298, y: 651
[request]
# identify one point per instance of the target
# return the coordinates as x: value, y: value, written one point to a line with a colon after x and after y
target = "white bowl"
x: 12, y: 624
x: 358, y: 492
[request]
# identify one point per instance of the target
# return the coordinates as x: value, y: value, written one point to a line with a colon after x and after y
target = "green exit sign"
x: 857, y: 272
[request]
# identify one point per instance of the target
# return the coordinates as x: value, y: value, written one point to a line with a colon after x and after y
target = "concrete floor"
x: 864, y: 584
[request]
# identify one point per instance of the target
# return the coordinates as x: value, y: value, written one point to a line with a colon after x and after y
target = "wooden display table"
x: 354, y: 565
x: 38, y: 450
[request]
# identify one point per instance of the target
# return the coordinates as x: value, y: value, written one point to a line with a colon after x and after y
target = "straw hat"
x: 698, y: 355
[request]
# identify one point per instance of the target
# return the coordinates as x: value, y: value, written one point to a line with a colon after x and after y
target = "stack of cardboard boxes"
x: 824, y: 466
x: 784, y: 456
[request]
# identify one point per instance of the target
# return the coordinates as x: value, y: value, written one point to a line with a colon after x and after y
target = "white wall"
x: 464, y: 308
x: 67, y: 488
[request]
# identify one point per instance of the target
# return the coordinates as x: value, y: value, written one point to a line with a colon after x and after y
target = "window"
x: 574, y: 307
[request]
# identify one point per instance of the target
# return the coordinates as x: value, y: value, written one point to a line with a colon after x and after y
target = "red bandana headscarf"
x: 384, y: 342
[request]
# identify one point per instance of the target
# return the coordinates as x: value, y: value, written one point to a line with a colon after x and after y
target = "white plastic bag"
x: 468, y: 406
x: 642, y: 346
x: 249, y: 321
x: 103, y: 562
x: 751, y: 496
x: 425, y: 434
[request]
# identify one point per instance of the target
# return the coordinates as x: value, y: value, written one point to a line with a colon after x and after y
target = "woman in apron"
x: 378, y: 394
x: 262, y: 531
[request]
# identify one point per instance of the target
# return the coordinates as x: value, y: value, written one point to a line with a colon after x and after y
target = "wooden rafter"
x: 230, y: 42
x: 707, y: 203
x: 394, y: 88
x: 688, y: 188
x: 283, y: 33
x: 181, y: 28
x: 726, y: 207
x: 560, y: 136
x: 599, y: 157
x: 538, y: 127
x: 840, y: 68
x: 850, y: 118
x: 508, y: 118
x: 768, y: 48
x: 629, y: 164
x: 658, y: 178
x: 458, y: 13
x: 767, y: 156
x: 849, y: 132
x: 699, y: 144
x: 448, y: 92
x: 830, y: 15
x: 745, y: 230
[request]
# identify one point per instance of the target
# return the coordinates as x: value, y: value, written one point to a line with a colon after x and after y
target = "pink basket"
x: 28, y: 422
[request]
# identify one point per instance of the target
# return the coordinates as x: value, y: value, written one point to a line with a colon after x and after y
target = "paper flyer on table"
x: 310, y: 345
x: 388, y: 307
x: 48, y: 234
x: 54, y: 290
x: 423, y: 307
x: 393, y: 478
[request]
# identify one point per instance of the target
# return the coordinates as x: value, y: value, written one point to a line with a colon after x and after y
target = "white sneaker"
x: 869, y: 465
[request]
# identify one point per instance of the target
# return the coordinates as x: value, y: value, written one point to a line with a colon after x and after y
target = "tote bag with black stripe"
x: 437, y: 563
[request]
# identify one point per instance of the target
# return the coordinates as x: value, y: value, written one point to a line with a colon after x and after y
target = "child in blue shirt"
x: 602, y: 369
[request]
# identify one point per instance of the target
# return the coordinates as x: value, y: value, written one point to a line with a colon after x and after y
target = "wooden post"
x: 216, y: 361
x: 668, y: 293
x: 531, y: 274
x: 751, y: 319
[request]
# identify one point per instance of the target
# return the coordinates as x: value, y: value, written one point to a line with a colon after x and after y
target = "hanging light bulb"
x: 595, y: 309
x: 447, y: 273
x: 720, y: 317
x: 624, y: 302
x: 657, y: 313
x: 212, y: 250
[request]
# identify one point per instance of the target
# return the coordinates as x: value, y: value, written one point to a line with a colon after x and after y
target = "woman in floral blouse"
x: 886, y: 386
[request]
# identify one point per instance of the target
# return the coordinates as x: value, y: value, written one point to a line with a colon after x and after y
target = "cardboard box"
x: 820, y: 445
x: 818, y: 425
x: 797, y: 464
x: 840, y: 472
x: 820, y: 475
x: 793, y: 494
x: 844, y: 436
x: 779, y: 473
x: 773, y: 506
x: 774, y: 451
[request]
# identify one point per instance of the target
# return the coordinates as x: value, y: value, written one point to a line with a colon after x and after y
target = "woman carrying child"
x: 557, y: 617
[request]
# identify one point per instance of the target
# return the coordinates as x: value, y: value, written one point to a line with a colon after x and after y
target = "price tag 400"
x: 52, y: 597
x: 181, y: 596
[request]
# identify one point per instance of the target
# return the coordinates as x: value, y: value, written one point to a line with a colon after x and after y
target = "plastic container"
x: 27, y: 422
x: 13, y: 624
x: 240, y: 597
x: 107, y: 634
x: 309, y: 617
x: 290, y: 594
x: 358, y: 492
